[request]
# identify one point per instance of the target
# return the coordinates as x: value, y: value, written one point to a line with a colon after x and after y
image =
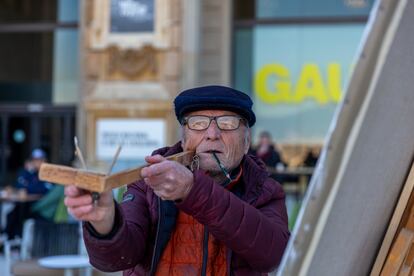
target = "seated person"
x: 266, y: 151
x: 27, y: 179
x: 311, y: 158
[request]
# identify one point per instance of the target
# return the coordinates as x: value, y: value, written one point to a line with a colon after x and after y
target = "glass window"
x: 243, y: 10
x: 28, y: 11
x: 242, y: 59
x: 68, y: 10
x: 26, y: 66
x: 299, y: 72
x: 296, y: 66
x: 39, y: 51
x: 316, y: 8
x: 66, y: 66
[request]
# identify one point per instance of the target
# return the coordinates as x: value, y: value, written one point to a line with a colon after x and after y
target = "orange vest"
x: 183, y: 255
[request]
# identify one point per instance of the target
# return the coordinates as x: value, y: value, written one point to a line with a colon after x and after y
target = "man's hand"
x: 169, y: 179
x: 100, y: 214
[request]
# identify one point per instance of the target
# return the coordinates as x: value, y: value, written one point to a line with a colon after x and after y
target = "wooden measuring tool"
x: 98, y: 182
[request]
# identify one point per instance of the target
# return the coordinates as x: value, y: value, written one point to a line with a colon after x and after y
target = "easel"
x: 399, y: 237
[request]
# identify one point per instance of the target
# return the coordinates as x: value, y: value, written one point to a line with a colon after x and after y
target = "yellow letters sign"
x: 309, y: 86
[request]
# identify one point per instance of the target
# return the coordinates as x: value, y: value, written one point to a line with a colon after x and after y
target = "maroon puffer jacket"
x: 254, y: 228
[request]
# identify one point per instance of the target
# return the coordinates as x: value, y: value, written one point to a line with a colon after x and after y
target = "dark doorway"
x: 24, y: 128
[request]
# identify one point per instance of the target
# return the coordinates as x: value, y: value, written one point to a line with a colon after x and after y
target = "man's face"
x: 264, y: 140
x: 229, y: 145
x: 36, y: 163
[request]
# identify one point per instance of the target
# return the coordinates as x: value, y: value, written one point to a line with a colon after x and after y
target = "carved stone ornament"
x: 132, y: 63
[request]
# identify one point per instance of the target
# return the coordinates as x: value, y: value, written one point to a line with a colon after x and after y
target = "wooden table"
x: 18, y: 197
x: 302, y: 173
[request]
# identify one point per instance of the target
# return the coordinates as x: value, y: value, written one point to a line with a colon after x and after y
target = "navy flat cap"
x: 214, y: 97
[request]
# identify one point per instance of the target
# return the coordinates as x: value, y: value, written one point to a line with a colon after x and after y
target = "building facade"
x: 116, y: 66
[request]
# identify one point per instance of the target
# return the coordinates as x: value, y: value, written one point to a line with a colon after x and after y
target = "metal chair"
x: 39, y: 239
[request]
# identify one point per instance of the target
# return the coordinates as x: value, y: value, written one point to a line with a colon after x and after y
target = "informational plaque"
x: 130, y: 24
x: 138, y: 137
x: 132, y: 16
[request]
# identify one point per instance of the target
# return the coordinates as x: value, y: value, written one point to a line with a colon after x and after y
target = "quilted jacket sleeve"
x: 257, y: 233
x: 128, y: 238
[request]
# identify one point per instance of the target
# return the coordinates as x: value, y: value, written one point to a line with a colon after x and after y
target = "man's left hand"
x: 169, y: 179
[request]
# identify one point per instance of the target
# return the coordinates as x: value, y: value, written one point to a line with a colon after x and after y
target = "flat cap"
x: 214, y: 97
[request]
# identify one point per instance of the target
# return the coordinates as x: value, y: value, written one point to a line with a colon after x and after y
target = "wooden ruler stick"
x: 97, y: 182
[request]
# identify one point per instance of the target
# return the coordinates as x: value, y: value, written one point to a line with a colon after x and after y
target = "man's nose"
x: 213, y: 132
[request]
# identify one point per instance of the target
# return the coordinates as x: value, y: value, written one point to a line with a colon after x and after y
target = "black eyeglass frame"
x: 184, y: 121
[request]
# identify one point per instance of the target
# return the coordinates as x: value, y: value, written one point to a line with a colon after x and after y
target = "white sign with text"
x: 138, y: 137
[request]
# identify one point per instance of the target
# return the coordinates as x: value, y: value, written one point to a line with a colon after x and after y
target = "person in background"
x: 311, y: 158
x: 27, y: 181
x: 266, y: 151
x: 28, y: 178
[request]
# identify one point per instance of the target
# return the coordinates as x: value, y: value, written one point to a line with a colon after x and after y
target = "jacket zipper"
x: 205, y: 252
x: 152, y: 270
x: 230, y: 255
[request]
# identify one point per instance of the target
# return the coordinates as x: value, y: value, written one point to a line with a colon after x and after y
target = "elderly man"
x: 224, y: 217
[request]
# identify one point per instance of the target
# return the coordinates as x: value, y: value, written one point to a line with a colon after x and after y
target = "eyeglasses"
x: 201, y: 122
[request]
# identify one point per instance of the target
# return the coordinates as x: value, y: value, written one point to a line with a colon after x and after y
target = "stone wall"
x: 128, y: 82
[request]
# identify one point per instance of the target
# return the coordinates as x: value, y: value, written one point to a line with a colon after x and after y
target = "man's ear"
x: 247, y: 140
x: 182, y: 135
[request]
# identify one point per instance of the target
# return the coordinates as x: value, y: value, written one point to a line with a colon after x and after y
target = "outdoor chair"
x: 40, y: 239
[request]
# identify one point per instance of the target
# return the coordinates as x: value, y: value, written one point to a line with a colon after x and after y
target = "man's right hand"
x: 100, y: 214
